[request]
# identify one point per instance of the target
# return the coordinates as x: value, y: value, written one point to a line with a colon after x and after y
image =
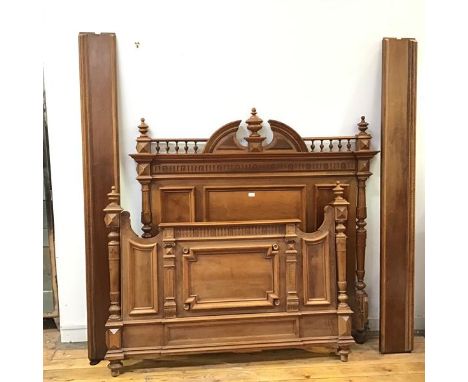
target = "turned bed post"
x: 340, y: 206
x: 363, y: 139
x: 114, y: 323
x: 144, y: 177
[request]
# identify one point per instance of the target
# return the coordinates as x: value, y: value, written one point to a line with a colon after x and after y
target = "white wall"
x: 315, y: 65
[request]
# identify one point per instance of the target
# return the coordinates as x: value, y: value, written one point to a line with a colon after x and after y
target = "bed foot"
x: 360, y: 336
x: 115, y: 367
x: 343, y: 353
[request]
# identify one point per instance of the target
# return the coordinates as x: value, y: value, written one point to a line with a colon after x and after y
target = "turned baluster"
x: 167, y: 147
x: 195, y: 147
x: 112, y: 220
x: 339, y: 144
x: 361, y: 235
x: 348, y: 146
x: 157, y: 147
x: 186, y: 147
x: 363, y: 139
x: 330, y: 146
x: 341, y: 216
x: 114, y: 322
x: 146, y: 208
x: 176, y: 147
x: 312, y: 146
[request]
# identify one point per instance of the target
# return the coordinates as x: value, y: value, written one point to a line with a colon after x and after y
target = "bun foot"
x: 343, y: 353
x: 115, y: 367
x: 360, y: 336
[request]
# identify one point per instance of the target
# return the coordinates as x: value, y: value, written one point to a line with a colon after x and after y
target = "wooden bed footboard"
x: 227, y: 286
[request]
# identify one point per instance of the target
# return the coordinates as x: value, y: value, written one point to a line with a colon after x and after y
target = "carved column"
x: 254, y: 140
x: 361, y: 315
x: 292, y: 299
x: 114, y: 323
x: 146, y: 208
x: 169, y: 273
x: 340, y: 206
x: 144, y: 177
x: 363, y: 139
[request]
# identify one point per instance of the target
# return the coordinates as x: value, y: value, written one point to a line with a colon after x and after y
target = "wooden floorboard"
x: 69, y: 362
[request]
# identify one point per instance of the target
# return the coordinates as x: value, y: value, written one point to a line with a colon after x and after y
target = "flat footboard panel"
x: 226, y: 333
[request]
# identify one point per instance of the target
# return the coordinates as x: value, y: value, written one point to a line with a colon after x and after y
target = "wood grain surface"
x: 100, y: 172
x: 68, y: 362
x: 397, y: 194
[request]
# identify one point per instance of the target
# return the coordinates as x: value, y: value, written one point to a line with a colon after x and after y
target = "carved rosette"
x: 254, y: 140
x: 340, y: 206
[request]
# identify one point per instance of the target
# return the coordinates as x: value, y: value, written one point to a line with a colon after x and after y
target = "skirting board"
x: 78, y: 333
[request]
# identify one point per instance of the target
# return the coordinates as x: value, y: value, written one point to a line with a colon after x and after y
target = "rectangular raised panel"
x: 177, y: 204
x: 142, y: 276
x: 397, y: 194
x: 260, y: 330
x: 146, y: 335
x: 234, y: 203
x: 316, y: 271
x: 318, y: 326
x: 230, y: 277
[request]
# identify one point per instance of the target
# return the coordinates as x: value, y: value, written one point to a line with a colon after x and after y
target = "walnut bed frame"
x: 244, y: 247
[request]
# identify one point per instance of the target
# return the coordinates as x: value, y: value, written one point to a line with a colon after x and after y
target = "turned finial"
x: 113, y: 196
x: 254, y: 123
x: 363, y: 138
x: 338, y: 191
x: 254, y: 140
x: 363, y: 125
x: 143, y: 127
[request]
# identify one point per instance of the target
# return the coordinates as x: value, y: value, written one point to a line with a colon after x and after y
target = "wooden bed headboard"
x: 225, y: 178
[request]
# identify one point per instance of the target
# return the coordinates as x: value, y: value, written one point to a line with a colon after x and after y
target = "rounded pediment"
x: 229, y: 138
